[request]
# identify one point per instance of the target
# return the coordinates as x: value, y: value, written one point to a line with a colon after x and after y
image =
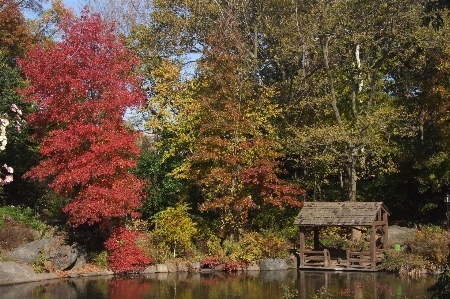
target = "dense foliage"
x: 247, y: 110
x: 124, y: 255
x: 80, y: 88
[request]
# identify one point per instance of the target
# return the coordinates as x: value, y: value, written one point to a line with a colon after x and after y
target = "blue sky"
x: 76, y: 5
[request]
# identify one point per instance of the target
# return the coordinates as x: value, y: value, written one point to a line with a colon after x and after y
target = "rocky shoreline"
x: 70, y: 261
x: 12, y: 272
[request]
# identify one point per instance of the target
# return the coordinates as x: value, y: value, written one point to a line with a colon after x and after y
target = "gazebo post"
x: 373, y: 247
x: 385, y: 231
x: 302, y: 246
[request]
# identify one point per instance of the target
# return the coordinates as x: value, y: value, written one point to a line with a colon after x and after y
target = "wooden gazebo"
x: 317, y: 215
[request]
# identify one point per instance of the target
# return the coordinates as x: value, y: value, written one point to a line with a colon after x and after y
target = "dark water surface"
x: 243, y: 285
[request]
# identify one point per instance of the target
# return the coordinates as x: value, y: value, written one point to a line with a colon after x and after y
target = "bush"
x: 403, y: 263
x: 431, y: 243
x: 175, y: 228
x: 213, y: 246
x: 124, y: 255
x: 232, y: 266
x: 441, y: 289
x: 100, y: 259
x: 252, y: 247
x: 248, y: 249
x: 273, y: 246
x: 155, y: 247
x: 210, y: 262
x: 41, y: 265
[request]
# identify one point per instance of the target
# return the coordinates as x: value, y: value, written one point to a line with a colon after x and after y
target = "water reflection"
x: 245, y: 285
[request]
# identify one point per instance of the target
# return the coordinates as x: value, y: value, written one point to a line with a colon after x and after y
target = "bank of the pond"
x: 14, y: 272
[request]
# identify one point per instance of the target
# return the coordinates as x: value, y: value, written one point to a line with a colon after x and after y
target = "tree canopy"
x: 80, y: 88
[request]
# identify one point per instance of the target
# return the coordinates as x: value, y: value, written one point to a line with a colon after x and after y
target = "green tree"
x: 175, y: 227
x: 343, y: 124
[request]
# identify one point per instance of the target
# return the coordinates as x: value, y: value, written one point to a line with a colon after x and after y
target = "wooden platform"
x: 351, y: 261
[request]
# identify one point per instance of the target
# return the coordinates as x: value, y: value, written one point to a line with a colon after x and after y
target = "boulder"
x: 161, y: 268
x: 171, y: 267
x: 30, y: 252
x: 273, y: 264
x: 252, y: 267
x: 12, y: 273
x: 60, y: 256
x: 291, y: 262
x: 182, y: 267
x: 400, y: 235
x: 149, y: 270
x: 194, y: 267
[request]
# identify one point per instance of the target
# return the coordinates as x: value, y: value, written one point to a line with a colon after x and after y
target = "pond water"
x: 243, y: 285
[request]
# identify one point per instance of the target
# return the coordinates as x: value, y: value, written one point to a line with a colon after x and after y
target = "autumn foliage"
x: 14, y: 34
x: 80, y: 88
x: 235, y: 153
x: 124, y: 255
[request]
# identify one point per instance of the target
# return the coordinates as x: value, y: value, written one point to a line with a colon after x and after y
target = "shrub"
x: 175, y: 228
x: 213, y: 246
x: 339, y: 237
x: 155, y: 247
x: 41, y: 264
x: 273, y: 246
x: 403, y: 263
x: 100, y: 259
x: 233, y: 266
x: 124, y: 255
x: 210, y: 262
x: 248, y: 249
x: 441, y: 289
x: 431, y: 243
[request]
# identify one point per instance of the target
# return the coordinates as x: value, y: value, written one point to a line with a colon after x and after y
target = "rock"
x: 273, y: 264
x: 219, y: 267
x: 400, y: 235
x: 291, y: 262
x: 252, y: 267
x: 30, y: 252
x: 107, y: 272
x: 171, y: 267
x: 60, y: 256
x: 182, y: 267
x: 80, y: 263
x: 149, y: 269
x: 194, y: 267
x: 12, y: 273
x: 161, y: 268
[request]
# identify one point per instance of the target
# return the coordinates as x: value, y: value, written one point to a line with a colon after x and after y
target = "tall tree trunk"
x: 352, y: 178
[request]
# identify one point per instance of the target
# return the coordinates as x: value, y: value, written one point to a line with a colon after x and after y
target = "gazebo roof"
x: 339, y: 213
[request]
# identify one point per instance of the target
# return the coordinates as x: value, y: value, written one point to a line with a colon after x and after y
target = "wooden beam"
x: 385, y: 237
x: 302, y: 246
x: 373, y: 247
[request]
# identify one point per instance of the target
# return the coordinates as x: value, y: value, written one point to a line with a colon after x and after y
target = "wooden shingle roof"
x: 339, y: 213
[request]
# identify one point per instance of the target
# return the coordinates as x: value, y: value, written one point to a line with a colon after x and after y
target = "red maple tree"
x: 80, y: 88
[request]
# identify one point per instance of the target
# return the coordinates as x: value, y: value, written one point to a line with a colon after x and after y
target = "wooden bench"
x: 315, y: 258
